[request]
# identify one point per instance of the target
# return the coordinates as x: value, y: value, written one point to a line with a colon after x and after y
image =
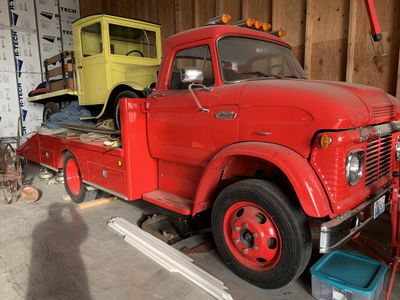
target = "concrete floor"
x: 51, y: 250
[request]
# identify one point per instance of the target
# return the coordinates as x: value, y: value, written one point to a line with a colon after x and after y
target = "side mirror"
x: 192, y: 75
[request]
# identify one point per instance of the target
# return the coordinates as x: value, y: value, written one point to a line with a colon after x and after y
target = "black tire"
x: 82, y: 193
x: 123, y: 94
x: 289, y: 219
x: 49, y: 109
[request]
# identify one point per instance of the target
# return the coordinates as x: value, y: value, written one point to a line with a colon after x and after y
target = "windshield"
x: 251, y: 59
x: 132, y: 41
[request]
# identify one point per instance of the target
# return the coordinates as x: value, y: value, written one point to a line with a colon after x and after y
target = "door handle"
x: 79, y: 67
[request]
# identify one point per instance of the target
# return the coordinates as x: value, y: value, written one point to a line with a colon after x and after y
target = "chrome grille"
x: 378, y: 158
x: 383, y: 111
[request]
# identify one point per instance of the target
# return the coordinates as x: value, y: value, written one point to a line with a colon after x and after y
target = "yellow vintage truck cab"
x: 113, y: 57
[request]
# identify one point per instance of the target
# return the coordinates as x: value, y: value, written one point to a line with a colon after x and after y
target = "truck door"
x: 178, y: 130
x: 91, y: 65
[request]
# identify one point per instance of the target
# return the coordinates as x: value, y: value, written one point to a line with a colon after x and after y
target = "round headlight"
x: 354, y: 167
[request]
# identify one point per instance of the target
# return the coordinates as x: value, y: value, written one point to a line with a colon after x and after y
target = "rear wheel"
x: 123, y: 94
x: 74, y: 186
x: 49, y: 109
x: 260, y: 234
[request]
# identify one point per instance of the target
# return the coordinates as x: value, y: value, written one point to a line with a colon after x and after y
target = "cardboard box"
x: 22, y: 14
x: 7, y: 63
x: 9, y: 106
x: 4, y: 14
x: 69, y: 12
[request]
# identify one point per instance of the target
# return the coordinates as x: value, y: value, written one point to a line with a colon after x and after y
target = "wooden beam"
x: 293, y: 22
x: 184, y: 15
x: 308, y: 39
x: 232, y: 7
x: 166, y: 14
x: 97, y: 202
x: 326, y: 39
x: 257, y: 9
x: 398, y: 79
x: 351, y: 40
x: 204, y: 10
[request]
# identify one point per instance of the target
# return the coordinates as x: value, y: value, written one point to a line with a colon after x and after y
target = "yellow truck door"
x: 91, y: 63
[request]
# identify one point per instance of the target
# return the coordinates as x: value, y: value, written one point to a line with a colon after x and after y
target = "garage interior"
x: 55, y: 248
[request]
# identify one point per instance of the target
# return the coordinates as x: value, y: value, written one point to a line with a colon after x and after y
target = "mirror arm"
x: 202, y: 109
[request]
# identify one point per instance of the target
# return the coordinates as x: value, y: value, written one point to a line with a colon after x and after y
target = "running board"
x: 170, y: 201
x: 169, y: 258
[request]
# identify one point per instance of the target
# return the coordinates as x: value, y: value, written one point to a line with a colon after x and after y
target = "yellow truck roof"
x: 113, y: 18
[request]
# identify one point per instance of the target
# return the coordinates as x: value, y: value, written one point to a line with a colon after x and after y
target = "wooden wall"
x: 330, y: 38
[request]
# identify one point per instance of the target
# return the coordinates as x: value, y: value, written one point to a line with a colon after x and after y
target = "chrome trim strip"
x: 369, y: 132
x: 104, y: 189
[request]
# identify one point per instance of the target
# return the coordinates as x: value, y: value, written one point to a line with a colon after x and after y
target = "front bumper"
x: 342, y: 228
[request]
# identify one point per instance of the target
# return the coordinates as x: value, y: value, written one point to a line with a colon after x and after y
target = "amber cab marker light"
x: 258, y: 24
x: 325, y: 141
x: 250, y: 22
x: 278, y: 33
x: 222, y: 19
x: 226, y: 18
x: 266, y: 27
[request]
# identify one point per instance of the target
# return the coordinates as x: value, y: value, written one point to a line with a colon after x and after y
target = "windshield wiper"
x: 261, y: 74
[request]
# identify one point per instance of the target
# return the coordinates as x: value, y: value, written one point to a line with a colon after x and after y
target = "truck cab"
x: 114, y: 54
x: 113, y: 57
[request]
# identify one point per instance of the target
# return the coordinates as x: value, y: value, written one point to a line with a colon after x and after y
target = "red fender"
x: 305, y: 182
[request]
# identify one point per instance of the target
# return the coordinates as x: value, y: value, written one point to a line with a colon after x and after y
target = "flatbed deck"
x: 61, y: 95
x: 128, y: 172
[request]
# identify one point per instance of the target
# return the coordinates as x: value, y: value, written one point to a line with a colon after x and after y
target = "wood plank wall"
x: 330, y: 38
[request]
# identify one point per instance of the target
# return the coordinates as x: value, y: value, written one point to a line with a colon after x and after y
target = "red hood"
x: 333, y: 105
x: 292, y: 111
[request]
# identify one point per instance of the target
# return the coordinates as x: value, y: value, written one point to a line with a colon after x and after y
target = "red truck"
x: 234, y: 127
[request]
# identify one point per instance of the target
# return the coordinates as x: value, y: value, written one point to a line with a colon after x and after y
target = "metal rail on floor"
x: 168, y: 257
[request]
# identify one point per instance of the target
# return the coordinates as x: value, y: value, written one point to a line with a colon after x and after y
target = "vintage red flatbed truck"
x: 234, y: 127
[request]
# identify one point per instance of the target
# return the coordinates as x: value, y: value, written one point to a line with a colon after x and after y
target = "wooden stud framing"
x: 398, y: 79
x: 166, y: 16
x: 295, y: 26
x: 308, y: 39
x: 351, y: 40
x: 257, y: 9
x: 184, y: 16
x: 232, y: 7
x: 204, y: 10
x: 331, y: 38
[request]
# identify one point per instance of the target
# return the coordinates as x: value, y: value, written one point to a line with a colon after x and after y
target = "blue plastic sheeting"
x: 70, y: 115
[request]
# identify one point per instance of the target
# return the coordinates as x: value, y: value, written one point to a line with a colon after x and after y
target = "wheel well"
x: 62, y: 157
x: 243, y: 167
x: 118, y: 89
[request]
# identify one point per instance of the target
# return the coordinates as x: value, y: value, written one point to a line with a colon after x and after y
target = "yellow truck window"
x: 91, y: 40
x: 132, y: 41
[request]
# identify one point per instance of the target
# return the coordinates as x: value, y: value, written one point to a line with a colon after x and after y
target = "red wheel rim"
x: 252, y: 236
x: 73, y: 176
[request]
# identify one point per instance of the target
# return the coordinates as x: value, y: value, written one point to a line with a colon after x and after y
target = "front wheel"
x: 260, y: 234
x: 74, y: 186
